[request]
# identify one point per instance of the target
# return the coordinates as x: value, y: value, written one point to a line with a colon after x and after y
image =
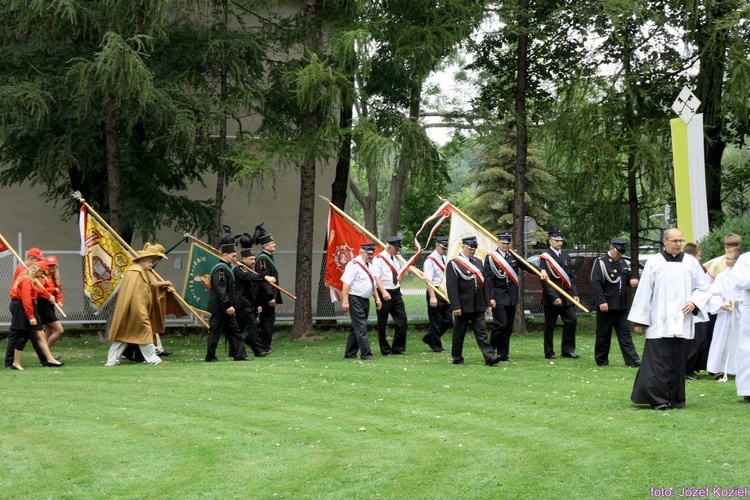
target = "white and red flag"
x: 344, y: 241
x: 442, y: 213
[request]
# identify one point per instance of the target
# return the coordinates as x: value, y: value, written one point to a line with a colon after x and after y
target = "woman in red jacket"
x: 50, y: 280
x: 24, y: 322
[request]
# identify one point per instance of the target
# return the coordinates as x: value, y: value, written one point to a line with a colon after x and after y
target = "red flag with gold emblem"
x: 4, y: 247
x: 344, y: 242
x: 105, y: 260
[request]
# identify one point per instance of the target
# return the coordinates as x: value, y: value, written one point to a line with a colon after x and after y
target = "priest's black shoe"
x: 459, y: 363
x: 247, y: 358
x: 571, y: 355
x: 660, y: 407
x: 506, y: 359
x: 635, y: 364
x: 165, y: 353
x: 551, y: 356
x: 369, y: 357
x: 212, y: 360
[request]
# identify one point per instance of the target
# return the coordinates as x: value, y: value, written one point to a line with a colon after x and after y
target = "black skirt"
x: 47, y: 311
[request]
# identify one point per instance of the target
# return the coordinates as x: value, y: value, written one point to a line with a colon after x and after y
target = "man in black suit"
x: 221, y: 306
x: 501, y: 293
x: 465, y: 283
x: 612, y: 281
x: 269, y: 297
x: 556, y: 267
x: 247, y: 283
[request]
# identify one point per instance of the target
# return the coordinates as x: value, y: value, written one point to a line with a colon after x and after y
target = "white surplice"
x: 663, y: 290
x: 741, y: 280
x: 725, y: 334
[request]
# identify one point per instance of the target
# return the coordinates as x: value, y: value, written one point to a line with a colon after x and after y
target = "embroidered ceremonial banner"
x: 105, y: 260
x: 344, y: 242
x: 197, y: 286
x: 4, y: 247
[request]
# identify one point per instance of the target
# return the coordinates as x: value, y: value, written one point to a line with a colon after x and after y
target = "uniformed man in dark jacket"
x: 501, y: 291
x: 269, y: 296
x: 464, y: 277
x: 247, y: 284
x: 556, y: 266
x: 611, y: 281
x: 221, y: 306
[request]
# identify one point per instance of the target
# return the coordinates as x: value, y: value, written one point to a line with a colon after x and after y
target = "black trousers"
x: 267, y: 320
x: 226, y: 324
x: 359, y: 310
x: 502, y: 327
x: 478, y: 324
x: 661, y: 376
x: 248, y: 322
x: 441, y: 319
x: 618, y: 320
x: 396, y: 309
x: 22, y: 331
x: 568, y: 315
x: 17, y: 340
x: 697, y: 350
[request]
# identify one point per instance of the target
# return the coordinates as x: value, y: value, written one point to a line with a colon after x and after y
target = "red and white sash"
x: 557, y: 270
x: 396, y: 277
x: 471, y: 268
x: 500, y: 261
x: 437, y: 263
x: 367, y: 272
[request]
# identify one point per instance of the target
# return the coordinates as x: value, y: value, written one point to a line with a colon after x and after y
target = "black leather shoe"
x: 551, y: 356
x: 635, y: 364
x: 493, y: 361
x: 400, y: 353
x: 165, y: 353
x: 212, y: 360
x: 506, y: 359
x: 692, y: 376
x: 438, y: 349
x: 52, y: 365
x: 603, y: 364
x: 369, y: 357
x: 661, y: 407
x: 247, y: 358
x: 353, y: 356
x: 459, y: 363
x: 571, y: 355
x: 262, y: 354
x: 746, y: 399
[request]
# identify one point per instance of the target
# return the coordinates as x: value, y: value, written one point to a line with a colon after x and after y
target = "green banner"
x: 198, y: 277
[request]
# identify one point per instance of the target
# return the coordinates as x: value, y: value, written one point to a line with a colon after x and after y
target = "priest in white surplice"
x: 741, y: 279
x: 671, y: 295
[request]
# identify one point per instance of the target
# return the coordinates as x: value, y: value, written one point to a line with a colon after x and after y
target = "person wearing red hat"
x: 50, y: 280
x: 33, y: 257
x: 24, y: 322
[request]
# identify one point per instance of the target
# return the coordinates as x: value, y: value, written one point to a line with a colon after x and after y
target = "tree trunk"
x: 303, y: 268
x: 522, y: 145
x: 113, y: 166
x: 401, y: 175
x: 712, y: 46
x: 221, y: 174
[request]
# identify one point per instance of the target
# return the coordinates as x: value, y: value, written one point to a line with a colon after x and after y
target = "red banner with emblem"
x: 4, y: 247
x: 344, y: 242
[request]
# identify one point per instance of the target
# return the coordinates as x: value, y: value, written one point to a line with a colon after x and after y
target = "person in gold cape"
x: 140, y: 309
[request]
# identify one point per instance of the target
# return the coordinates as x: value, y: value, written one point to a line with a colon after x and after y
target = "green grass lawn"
x: 305, y: 423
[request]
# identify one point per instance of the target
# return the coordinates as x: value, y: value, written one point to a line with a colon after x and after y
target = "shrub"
x: 713, y: 244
